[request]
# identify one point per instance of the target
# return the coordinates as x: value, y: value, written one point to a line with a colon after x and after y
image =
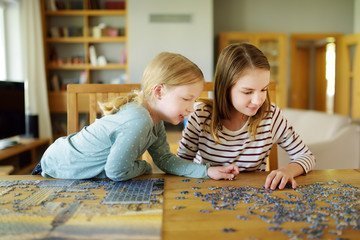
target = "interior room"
x: 51, y: 49
x: 310, y: 59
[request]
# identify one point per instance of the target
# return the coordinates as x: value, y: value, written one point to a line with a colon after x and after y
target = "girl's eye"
x: 247, y: 93
x: 186, y: 99
x: 264, y: 90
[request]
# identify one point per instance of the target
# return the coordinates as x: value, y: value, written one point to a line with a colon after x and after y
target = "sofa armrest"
x: 341, y: 152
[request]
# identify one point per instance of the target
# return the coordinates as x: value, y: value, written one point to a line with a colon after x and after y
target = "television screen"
x: 12, y: 109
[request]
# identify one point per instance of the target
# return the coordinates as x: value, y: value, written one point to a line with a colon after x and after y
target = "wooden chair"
x: 84, y: 98
x: 272, y: 161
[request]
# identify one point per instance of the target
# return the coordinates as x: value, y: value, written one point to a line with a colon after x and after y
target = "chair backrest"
x: 273, y: 157
x: 272, y: 163
x: 84, y: 98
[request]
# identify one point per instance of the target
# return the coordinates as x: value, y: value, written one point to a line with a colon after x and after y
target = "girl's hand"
x: 223, y: 172
x: 279, y: 178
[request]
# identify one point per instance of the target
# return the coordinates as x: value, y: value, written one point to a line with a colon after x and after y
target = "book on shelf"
x: 123, y: 57
x: 115, y: 4
x: 94, y: 4
x: 93, y: 57
x: 55, y: 32
x: 55, y: 83
x: 54, y: 5
x: 83, y: 77
x: 50, y: 5
x: 76, y: 4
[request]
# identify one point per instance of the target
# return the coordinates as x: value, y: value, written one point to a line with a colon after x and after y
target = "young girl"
x: 240, y: 125
x: 112, y: 145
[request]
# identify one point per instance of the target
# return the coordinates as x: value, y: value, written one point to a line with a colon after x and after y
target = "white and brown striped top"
x: 238, y: 147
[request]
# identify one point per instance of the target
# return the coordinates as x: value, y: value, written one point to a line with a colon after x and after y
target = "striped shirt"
x: 249, y: 154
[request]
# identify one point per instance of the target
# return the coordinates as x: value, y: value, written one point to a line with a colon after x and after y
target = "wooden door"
x: 308, y: 84
x: 347, y: 93
x: 320, y: 87
x: 299, y: 88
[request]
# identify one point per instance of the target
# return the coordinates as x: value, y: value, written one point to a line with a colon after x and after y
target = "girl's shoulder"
x: 133, y: 109
x: 275, y: 111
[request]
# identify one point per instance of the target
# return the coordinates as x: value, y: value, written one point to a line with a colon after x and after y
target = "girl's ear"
x: 159, y: 91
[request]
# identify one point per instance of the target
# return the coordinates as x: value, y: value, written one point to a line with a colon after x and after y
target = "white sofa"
x: 333, y: 139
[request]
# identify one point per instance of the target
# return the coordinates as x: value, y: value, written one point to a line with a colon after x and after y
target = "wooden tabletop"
x: 187, y: 216
x: 190, y: 223
x: 24, y: 145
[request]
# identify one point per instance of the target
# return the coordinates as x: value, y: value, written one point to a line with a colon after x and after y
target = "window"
x: 10, y: 41
x: 3, y: 74
x: 330, y: 75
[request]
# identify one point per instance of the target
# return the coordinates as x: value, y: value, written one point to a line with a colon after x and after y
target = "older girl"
x: 240, y: 125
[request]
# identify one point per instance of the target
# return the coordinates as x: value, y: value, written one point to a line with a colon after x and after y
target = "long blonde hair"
x: 232, y: 62
x: 169, y: 69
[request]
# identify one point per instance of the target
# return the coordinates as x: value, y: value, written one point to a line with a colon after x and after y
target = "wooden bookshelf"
x: 69, y: 31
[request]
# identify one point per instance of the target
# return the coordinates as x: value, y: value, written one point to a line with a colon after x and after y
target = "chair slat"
x: 72, y: 113
x: 92, y: 107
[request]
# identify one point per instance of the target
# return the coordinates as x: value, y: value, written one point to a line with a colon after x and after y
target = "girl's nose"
x: 257, y: 99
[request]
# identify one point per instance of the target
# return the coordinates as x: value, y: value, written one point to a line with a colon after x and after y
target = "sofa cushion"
x: 315, y: 126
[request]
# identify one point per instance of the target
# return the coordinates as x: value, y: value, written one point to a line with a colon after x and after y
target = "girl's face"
x: 249, y: 92
x: 177, y: 102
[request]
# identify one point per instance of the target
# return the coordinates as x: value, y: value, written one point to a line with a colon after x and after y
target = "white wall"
x: 294, y: 16
x: 356, y: 16
x: 192, y: 39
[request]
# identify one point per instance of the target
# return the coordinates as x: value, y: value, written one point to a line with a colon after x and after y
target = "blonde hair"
x: 233, y: 61
x: 169, y: 69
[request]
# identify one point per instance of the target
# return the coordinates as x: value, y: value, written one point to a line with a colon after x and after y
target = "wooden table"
x: 182, y: 219
x: 33, y: 150
x: 190, y: 223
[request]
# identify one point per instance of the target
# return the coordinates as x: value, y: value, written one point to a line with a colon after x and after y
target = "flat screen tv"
x: 12, y: 112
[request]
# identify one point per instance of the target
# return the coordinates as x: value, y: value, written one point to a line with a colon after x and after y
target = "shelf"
x: 67, y: 66
x: 86, y: 12
x: 86, y: 40
x: 106, y: 39
x: 106, y: 12
x: 110, y: 66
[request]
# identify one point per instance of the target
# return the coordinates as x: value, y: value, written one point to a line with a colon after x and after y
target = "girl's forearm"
x: 295, y: 169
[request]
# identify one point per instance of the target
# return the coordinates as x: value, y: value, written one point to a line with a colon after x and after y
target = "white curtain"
x: 33, y: 64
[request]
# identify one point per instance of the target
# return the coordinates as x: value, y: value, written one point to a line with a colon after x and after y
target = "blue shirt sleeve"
x: 128, y: 145
x: 170, y: 163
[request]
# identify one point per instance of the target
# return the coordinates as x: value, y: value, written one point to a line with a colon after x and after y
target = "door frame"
x: 300, y: 87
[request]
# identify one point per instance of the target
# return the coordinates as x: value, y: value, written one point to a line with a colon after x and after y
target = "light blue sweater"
x: 111, y: 147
